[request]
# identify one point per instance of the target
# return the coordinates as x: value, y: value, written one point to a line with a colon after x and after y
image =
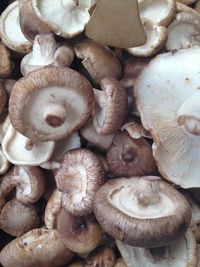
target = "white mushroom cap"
x: 156, y: 38
x: 159, y: 12
x: 61, y: 148
x: 14, y: 148
x: 66, y: 18
x: 10, y: 30
x: 180, y: 253
x: 169, y: 112
x: 4, y: 163
x: 184, y: 31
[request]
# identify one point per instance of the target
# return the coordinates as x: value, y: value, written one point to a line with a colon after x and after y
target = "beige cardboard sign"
x: 116, y: 23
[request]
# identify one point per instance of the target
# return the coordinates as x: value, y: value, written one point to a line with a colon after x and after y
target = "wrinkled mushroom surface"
x: 136, y: 210
x: 79, y: 177
x: 180, y: 253
x: 170, y: 112
x: 50, y: 103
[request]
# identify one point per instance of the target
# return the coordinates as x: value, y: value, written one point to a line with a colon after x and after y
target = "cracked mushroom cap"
x: 38, y: 247
x: 6, y: 64
x: 156, y: 39
x: 10, y: 31
x: 30, y: 23
x: 17, y: 151
x: 71, y: 18
x: 50, y: 103
x: 180, y: 253
x: 79, y: 177
x: 16, y: 218
x: 142, y: 211
x: 99, y: 61
x: 79, y: 234
x: 159, y: 12
x: 170, y: 112
x: 130, y: 157
x: 111, y: 107
x: 29, y: 182
x: 184, y: 31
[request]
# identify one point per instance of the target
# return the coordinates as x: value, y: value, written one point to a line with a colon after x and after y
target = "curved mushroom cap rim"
x: 136, y: 231
x: 61, y: 82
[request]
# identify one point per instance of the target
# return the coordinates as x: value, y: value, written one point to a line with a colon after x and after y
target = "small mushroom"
x: 79, y: 177
x: 99, y: 61
x: 30, y: 23
x: 156, y: 39
x: 159, y: 12
x: 78, y: 233
x: 29, y: 182
x: 50, y: 103
x: 46, y: 53
x: 101, y: 257
x: 136, y: 210
x: 10, y: 31
x: 20, y: 150
x: 89, y: 133
x: 130, y: 157
x: 111, y: 107
x: 72, y: 18
x: 170, y: 112
x: 181, y: 252
x: 53, y: 207
x: 38, y: 247
x: 6, y: 64
x: 184, y: 31
x: 16, y: 218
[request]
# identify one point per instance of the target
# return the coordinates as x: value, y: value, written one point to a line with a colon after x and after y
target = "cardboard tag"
x: 116, y: 23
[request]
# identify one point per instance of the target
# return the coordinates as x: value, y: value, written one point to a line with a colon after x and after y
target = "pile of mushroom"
x: 99, y: 133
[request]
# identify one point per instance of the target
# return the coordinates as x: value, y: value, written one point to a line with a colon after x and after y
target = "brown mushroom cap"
x: 30, y: 183
x: 50, y: 103
x: 38, y: 247
x: 130, y: 157
x: 10, y: 31
x: 78, y: 233
x: 79, y: 177
x: 111, y: 107
x: 142, y: 211
x: 16, y: 218
x: 99, y: 61
x: 30, y: 23
x: 6, y: 64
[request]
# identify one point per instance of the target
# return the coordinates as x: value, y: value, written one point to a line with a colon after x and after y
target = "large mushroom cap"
x: 10, y: 30
x: 66, y: 18
x: 168, y: 99
x: 51, y: 103
x: 142, y: 211
x: 180, y: 253
x: 79, y: 177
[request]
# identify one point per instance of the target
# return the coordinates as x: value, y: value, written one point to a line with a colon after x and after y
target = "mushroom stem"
x: 55, y: 115
x: 189, y: 115
x: 44, y: 48
x: 148, y: 196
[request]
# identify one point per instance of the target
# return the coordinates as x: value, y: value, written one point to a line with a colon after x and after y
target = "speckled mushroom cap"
x: 159, y: 12
x: 170, y: 112
x: 38, y: 247
x: 184, y: 31
x: 180, y: 253
x: 142, y: 211
x: 71, y: 18
x: 10, y: 31
x: 79, y: 177
x: 51, y: 103
x: 111, y: 106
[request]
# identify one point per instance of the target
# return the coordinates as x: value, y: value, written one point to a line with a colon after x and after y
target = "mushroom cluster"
x: 99, y: 133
